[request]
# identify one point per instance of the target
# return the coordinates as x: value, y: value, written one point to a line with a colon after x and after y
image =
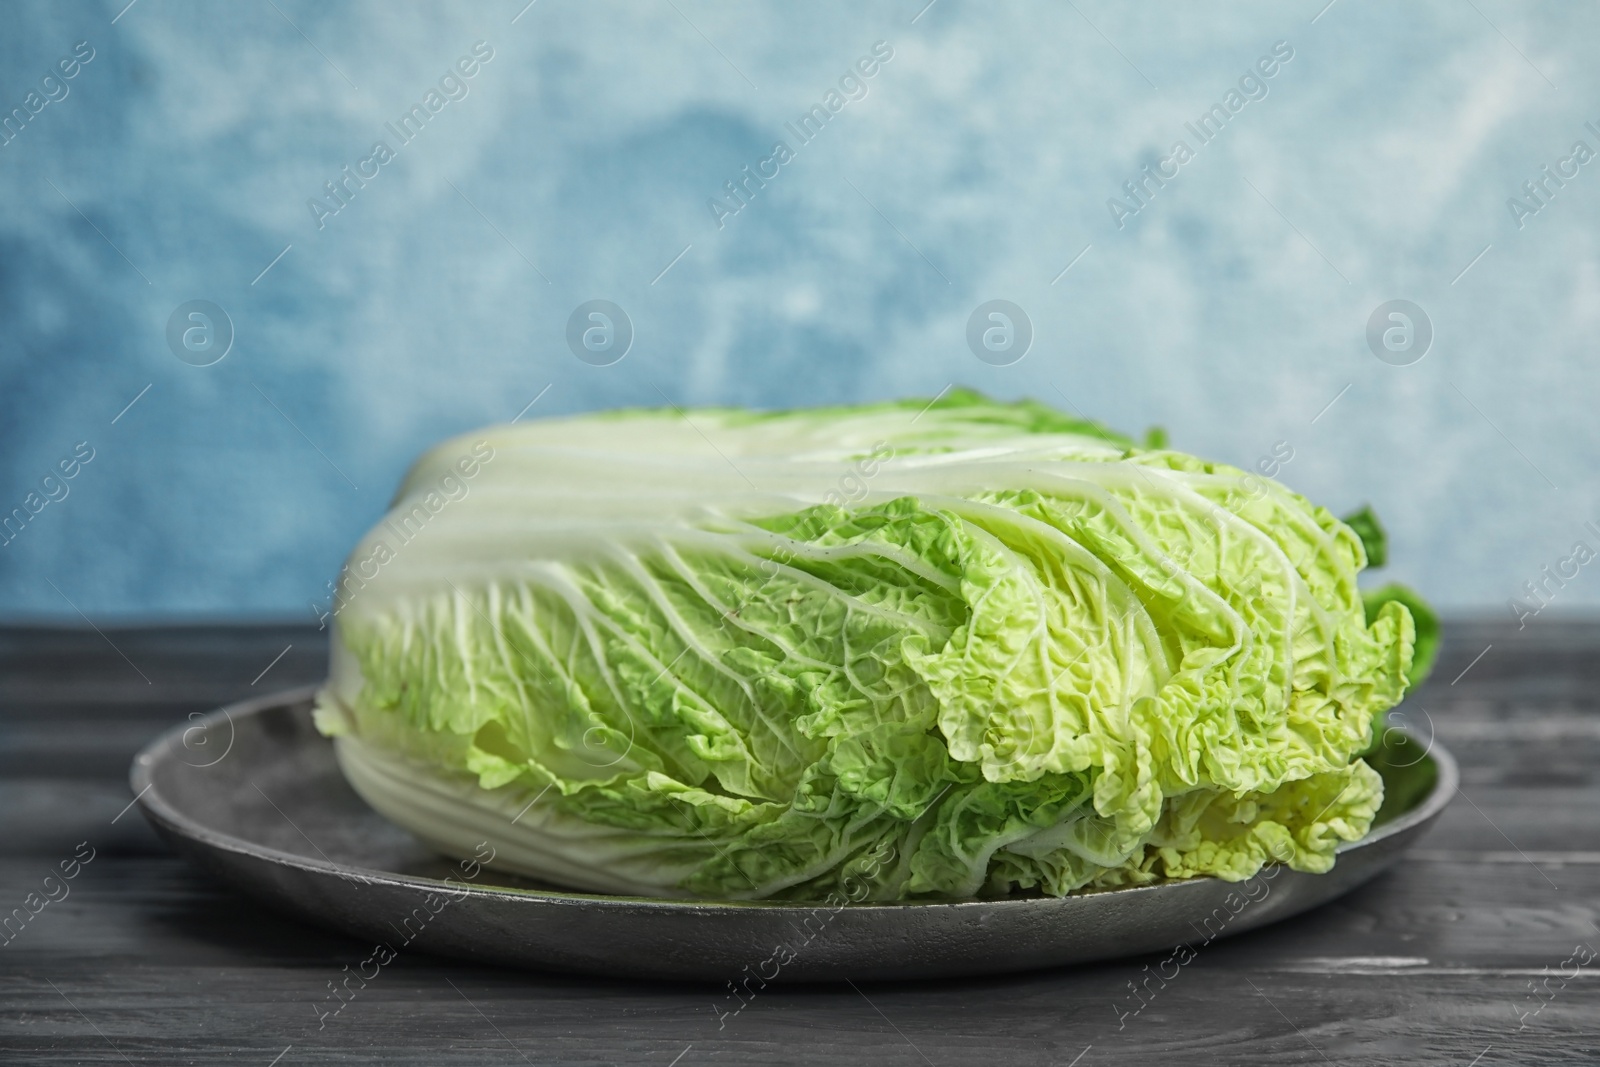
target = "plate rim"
x: 161, y: 813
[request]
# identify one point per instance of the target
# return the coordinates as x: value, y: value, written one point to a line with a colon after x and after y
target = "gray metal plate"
x: 253, y: 794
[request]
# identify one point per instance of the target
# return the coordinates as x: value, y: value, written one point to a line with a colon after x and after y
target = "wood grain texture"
x: 1457, y: 954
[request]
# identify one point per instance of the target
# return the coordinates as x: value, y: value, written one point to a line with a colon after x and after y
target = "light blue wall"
x: 1231, y: 309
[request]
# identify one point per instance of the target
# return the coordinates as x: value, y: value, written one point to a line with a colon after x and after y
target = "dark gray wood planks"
x: 148, y: 961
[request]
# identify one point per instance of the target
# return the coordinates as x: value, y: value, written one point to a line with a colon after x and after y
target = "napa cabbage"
x: 915, y: 650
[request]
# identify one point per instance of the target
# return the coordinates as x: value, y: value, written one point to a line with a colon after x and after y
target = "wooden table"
x: 1462, y: 954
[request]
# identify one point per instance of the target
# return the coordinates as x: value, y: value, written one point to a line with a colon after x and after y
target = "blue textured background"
x: 1231, y: 310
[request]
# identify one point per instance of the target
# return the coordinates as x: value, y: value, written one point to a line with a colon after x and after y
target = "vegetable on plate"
x: 912, y: 650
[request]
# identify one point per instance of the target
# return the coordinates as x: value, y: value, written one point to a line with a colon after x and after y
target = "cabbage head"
x: 907, y: 650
